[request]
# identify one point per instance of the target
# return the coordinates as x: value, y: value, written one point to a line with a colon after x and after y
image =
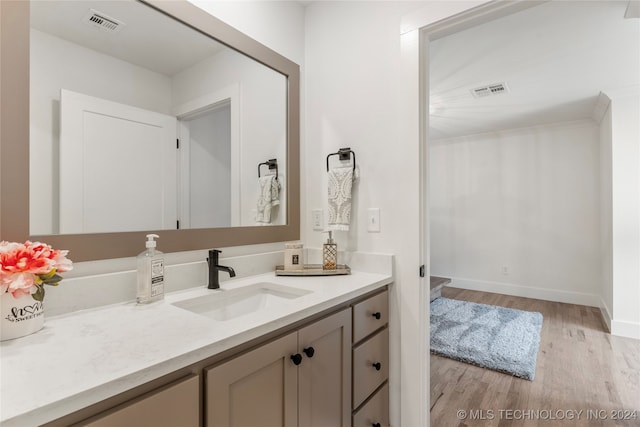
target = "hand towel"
x: 269, y: 194
x: 340, y: 184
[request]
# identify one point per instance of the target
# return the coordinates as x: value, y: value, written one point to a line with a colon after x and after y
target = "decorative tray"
x: 313, y: 270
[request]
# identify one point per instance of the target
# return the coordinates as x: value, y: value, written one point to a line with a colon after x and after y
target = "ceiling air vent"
x: 103, y: 21
x: 489, y: 90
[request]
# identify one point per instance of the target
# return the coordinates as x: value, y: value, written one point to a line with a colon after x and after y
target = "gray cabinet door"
x: 175, y: 405
x: 324, y: 378
x: 257, y: 388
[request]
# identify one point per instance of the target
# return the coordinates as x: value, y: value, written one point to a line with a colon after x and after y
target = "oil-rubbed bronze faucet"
x: 214, y: 268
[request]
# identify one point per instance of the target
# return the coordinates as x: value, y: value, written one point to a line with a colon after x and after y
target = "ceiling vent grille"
x: 103, y: 21
x: 490, y: 90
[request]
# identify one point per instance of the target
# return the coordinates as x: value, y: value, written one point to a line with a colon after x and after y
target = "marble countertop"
x: 87, y: 356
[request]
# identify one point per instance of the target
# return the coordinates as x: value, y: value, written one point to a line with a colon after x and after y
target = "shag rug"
x: 498, y: 338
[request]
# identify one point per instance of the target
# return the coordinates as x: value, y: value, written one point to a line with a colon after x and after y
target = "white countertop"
x: 84, y: 357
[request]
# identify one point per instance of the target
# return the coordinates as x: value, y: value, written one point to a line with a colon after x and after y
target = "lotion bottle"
x: 150, y: 273
x: 330, y: 254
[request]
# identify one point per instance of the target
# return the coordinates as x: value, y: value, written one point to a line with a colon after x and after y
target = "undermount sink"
x: 225, y: 305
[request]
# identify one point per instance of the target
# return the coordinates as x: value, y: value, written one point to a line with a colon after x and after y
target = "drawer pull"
x: 296, y: 358
x: 309, y: 351
x: 377, y: 365
x: 377, y: 315
x: 375, y: 425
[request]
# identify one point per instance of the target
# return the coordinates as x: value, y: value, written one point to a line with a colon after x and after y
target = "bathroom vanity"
x: 175, y: 363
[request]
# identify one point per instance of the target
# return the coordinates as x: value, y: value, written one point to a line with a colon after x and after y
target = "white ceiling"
x: 149, y: 39
x: 555, y: 59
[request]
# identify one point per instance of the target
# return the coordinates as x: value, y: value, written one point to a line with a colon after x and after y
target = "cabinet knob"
x: 377, y: 365
x: 296, y: 358
x: 375, y: 425
x: 309, y: 351
x: 377, y: 315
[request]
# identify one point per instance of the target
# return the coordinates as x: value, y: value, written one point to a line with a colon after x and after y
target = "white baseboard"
x: 527, y: 291
x: 606, y: 314
x: 623, y: 328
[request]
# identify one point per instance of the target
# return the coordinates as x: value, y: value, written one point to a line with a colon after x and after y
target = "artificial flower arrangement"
x: 26, y: 267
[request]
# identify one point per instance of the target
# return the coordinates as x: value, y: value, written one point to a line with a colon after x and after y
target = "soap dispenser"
x: 330, y: 254
x: 150, y: 273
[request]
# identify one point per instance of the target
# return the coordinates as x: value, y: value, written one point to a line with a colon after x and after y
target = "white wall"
x: 526, y: 200
x: 625, y: 180
x: 354, y: 96
x: 278, y: 25
x: 86, y: 71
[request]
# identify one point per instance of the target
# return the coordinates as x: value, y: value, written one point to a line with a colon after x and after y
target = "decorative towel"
x: 340, y: 184
x: 269, y: 197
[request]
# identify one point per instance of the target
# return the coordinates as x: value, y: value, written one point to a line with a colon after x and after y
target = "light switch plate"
x: 317, y: 219
x: 373, y: 220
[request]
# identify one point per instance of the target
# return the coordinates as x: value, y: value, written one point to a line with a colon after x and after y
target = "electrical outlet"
x: 317, y: 219
x: 373, y: 220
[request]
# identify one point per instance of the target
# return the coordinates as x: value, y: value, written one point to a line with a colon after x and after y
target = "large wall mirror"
x: 121, y: 118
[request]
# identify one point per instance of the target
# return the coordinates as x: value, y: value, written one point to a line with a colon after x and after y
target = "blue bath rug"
x: 498, y: 338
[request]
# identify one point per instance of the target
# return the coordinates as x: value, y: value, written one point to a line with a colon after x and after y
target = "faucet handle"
x: 213, y: 256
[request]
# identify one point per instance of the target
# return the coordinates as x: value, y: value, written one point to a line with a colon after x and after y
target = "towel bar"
x: 272, y: 164
x: 344, y: 154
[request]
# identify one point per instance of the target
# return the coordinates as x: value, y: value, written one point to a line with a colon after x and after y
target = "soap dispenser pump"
x: 150, y: 284
x: 330, y: 254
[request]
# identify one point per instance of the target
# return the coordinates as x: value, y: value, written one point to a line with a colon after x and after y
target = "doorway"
x: 582, y: 160
x: 205, y: 167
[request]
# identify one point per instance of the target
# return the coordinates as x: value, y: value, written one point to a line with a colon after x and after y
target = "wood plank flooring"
x: 580, y: 367
x: 437, y: 283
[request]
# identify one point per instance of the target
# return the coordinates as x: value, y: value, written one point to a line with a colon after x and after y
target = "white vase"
x: 19, y: 316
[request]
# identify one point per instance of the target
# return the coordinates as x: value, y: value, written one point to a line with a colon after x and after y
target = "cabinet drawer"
x: 370, y: 366
x: 370, y: 315
x: 375, y: 412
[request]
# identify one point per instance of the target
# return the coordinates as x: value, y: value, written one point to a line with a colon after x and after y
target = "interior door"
x: 106, y: 146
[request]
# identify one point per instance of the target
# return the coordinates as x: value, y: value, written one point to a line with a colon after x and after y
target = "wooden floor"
x: 580, y: 367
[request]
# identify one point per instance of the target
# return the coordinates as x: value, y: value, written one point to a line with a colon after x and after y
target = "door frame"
x: 417, y: 29
x: 209, y: 101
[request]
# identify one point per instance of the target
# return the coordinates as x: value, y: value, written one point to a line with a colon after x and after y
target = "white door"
x: 117, y: 167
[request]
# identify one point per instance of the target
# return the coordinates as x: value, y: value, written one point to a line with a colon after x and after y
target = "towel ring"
x: 343, y: 154
x: 272, y: 164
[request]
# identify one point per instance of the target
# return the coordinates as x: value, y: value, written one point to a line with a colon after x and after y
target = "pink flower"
x: 18, y: 284
x: 57, y: 257
x: 24, y: 267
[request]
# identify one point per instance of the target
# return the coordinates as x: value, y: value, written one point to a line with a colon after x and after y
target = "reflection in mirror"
x: 114, y: 87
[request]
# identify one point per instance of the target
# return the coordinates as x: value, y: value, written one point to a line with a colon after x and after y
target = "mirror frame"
x: 14, y: 144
